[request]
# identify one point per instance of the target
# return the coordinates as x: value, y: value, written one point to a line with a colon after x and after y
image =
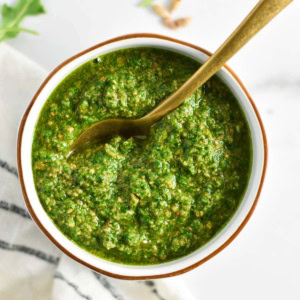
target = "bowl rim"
x: 61, y: 247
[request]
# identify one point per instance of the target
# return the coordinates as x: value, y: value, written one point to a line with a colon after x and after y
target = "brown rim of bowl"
x: 38, y: 222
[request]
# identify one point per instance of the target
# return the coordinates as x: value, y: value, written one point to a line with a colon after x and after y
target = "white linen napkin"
x: 31, y: 267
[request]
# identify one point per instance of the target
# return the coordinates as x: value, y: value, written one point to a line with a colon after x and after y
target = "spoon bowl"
x: 104, y: 130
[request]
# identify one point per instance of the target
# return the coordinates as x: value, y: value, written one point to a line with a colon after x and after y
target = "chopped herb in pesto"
x: 132, y: 201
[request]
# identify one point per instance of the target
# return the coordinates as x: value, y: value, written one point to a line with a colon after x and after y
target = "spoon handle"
x: 260, y: 16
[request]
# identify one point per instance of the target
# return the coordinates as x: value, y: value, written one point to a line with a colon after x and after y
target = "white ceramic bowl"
x: 177, y: 266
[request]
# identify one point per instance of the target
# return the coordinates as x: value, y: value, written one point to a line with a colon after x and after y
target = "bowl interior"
x: 154, y: 270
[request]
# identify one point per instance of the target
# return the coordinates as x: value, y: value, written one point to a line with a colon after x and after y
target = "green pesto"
x: 137, y: 202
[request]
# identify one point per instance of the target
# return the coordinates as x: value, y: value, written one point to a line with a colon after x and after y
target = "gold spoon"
x: 262, y: 14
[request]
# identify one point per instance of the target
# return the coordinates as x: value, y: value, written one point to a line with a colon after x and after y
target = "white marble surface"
x: 264, y: 260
